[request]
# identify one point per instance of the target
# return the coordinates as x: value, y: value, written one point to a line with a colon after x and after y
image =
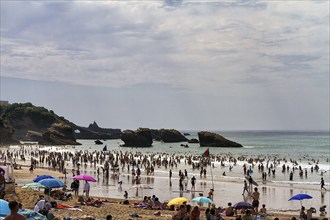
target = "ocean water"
x: 307, y: 148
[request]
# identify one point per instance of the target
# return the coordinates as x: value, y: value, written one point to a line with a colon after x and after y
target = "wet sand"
x: 275, y: 196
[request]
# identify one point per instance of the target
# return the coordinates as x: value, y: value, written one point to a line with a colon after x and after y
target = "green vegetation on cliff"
x: 24, y: 121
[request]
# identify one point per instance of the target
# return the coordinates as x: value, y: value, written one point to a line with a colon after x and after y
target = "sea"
x: 307, y: 148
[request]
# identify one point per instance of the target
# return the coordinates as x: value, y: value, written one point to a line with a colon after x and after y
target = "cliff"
x: 27, y: 122
x: 210, y: 139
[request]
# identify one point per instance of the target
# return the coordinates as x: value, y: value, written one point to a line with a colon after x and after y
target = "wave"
x: 295, y: 182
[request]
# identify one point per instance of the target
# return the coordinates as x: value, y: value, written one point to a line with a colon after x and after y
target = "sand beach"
x: 275, y: 196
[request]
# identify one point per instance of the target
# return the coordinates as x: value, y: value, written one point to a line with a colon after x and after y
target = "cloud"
x: 199, y: 46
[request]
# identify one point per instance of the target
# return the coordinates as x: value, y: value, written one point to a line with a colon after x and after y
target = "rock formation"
x: 193, y: 141
x: 140, y: 138
x: 210, y: 139
x: 171, y: 135
x: 93, y: 131
x: 59, y: 134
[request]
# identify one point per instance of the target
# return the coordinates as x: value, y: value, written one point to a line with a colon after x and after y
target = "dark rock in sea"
x: 193, y: 141
x: 171, y: 135
x: 186, y: 134
x: 210, y: 139
x: 140, y: 138
x: 98, y: 142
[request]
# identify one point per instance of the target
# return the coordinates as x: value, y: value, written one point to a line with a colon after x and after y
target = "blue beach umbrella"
x: 242, y: 205
x: 202, y: 199
x: 4, y: 208
x: 52, y: 183
x: 38, y: 178
x: 300, y: 197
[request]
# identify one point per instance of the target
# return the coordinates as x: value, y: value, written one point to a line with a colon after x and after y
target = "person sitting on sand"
x: 322, y: 211
x: 195, y: 213
x: 263, y: 210
x: 302, y: 214
x: 247, y: 215
x: 14, y: 207
x: 310, y: 212
x: 156, y: 204
x: 93, y: 202
x: 180, y: 213
x: 229, y: 210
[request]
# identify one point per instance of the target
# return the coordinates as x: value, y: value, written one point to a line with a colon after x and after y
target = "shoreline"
x: 225, y: 192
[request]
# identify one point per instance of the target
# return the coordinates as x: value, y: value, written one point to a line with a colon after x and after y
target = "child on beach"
x: 245, y: 188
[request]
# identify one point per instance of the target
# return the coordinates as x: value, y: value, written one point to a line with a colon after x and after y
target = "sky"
x: 188, y: 65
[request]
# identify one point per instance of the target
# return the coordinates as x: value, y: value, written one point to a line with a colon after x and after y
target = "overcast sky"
x: 204, y: 65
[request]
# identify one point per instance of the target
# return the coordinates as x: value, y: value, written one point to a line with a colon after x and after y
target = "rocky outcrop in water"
x: 140, y: 138
x: 171, y: 135
x: 210, y: 139
x: 193, y: 141
x: 93, y: 131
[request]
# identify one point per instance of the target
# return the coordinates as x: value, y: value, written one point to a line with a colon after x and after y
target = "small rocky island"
x: 210, y: 139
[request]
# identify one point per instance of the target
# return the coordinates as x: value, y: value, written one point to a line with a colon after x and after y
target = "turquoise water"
x: 301, y: 146
x: 304, y: 147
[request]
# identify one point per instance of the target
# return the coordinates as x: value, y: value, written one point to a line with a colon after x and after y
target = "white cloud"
x: 232, y: 48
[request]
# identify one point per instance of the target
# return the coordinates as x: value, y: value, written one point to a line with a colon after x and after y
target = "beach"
x: 28, y: 197
x: 274, y: 192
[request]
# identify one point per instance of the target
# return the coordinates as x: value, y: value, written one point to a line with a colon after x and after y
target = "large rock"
x: 140, y: 138
x: 210, y: 139
x: 59, y: 134
x: 171, y: 135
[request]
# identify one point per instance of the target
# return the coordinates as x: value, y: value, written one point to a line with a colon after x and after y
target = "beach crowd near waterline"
x: 121, y: 164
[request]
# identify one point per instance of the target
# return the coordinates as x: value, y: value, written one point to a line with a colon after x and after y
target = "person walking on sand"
x: 322, y: 184
x: 14, y: 207
x: 245, y: 188
x: 87, y: 188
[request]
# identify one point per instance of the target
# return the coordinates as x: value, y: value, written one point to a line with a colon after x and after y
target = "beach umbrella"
x: 84, y: 177
x: 38, y: 178
x: 202, y: 199
x: 177, y: 201
x: 52, y: 183
x: 33, y: 185
x: 243, y: 205
x: 4, y: 208
x: 300, y: 197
